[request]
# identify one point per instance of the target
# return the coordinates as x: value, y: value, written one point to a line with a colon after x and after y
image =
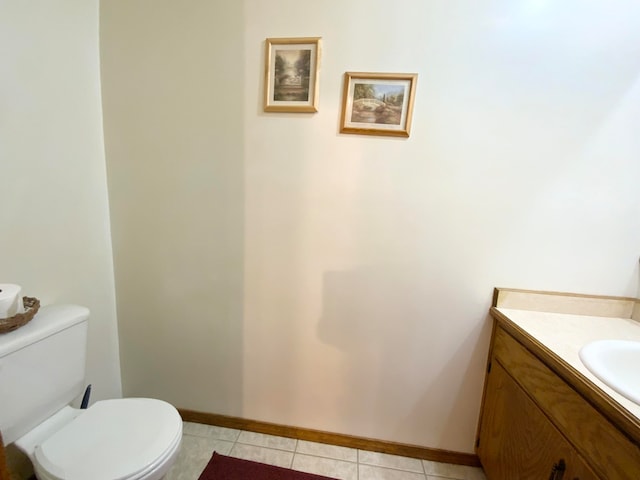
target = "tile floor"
x: 199, y: 441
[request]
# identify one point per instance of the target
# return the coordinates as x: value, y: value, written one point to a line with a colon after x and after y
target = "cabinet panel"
x: 4, y: 471
x: 517, y: 441
x: 609, y: 452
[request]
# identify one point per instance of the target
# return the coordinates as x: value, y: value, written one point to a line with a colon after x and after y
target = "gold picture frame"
x: 378, y: 103
x: 291, y: 74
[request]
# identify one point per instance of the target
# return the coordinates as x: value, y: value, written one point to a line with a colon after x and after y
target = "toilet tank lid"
x: 113, y: 439
x: 48, y: 321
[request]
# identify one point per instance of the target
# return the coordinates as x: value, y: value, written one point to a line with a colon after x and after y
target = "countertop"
x: 564, y: 334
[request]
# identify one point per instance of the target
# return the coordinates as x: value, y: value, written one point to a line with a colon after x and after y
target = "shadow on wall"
x: 414, y: 354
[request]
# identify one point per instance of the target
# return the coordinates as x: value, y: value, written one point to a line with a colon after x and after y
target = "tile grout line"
x: 295, y: 450
x: 235, y: 442
x: 424, y: 469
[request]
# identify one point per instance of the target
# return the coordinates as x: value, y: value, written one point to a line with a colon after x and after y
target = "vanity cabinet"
x: 518, y: 441
x: 534, y: 425
x: 4, y: 470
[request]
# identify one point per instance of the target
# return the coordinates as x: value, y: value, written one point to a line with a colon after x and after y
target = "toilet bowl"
x: 42, y: 368
x: 124, y: 439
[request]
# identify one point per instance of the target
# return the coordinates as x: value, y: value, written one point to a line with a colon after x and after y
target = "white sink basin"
x: 616, y: 363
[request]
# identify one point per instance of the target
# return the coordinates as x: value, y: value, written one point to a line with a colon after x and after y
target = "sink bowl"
x: 616, y: 363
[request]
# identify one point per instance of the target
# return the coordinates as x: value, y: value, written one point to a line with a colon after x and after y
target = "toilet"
x: 42, y: 370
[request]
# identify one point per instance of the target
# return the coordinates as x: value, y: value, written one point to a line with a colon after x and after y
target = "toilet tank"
x: 42, y: 368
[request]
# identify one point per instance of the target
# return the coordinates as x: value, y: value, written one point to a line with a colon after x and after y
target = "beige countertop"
x: 565, y: 334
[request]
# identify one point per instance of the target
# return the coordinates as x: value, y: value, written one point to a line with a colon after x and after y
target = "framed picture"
x: 291, y: 74
x: 378, y: 103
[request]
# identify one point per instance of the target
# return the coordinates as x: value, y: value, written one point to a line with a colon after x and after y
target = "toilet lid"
x: 113, y: 439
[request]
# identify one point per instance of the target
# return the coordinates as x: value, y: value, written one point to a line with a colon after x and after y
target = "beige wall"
x: 173, y: 108
x: 271, y: 268
x: 55, y: 237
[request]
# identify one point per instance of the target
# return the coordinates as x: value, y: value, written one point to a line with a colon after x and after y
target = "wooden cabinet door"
x: 517, y: 441
x: 4, y: 470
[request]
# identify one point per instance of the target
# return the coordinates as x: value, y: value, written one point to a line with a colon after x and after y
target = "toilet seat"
x: 132, y: 439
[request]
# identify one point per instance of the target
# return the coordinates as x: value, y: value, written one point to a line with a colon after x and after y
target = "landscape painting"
x: 378, y: 103
x: 291, y: 74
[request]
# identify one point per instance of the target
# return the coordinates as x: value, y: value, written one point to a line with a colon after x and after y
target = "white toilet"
x: 42, y: 369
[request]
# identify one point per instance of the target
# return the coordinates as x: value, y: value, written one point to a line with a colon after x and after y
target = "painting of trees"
x: 377, y: 103
x: 292, y: 71
x: 291, y: 74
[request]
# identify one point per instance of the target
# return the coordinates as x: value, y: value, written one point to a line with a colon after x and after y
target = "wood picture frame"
x: 378, y: 103
x: 291, y: 76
